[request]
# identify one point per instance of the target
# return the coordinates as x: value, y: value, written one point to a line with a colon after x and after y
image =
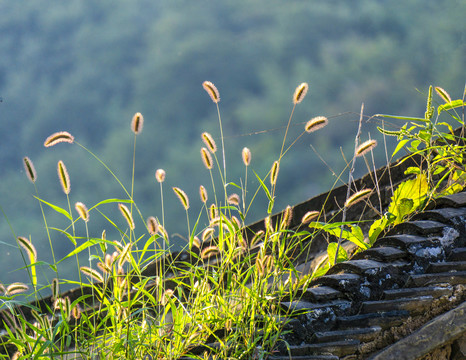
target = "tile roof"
x: 403, y: 298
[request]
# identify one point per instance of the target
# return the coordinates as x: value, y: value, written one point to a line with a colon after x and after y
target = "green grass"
x: 227, y: 292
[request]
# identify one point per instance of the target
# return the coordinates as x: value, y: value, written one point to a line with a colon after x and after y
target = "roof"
x: 403, y: 298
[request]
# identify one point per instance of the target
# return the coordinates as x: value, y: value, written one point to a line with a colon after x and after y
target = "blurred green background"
x: 86, y: 67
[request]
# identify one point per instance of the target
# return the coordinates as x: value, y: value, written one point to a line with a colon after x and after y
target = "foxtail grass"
x: 209, y: 142
x: 64, y: 177
x: 315, y: 124
x: 357, y: 197
x: 127, y: 215
x: 59, y: 137
x: 30, y: 169
x: 365, y: 147
x: 136, y: 123
x: 230, y: 276
x: 309, y: 216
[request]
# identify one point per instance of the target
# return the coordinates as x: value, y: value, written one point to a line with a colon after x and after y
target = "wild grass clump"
x: 221, y: 297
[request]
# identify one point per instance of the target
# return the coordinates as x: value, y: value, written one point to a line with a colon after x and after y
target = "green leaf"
x: 335, y: 230
x: 331, y: 251
x: 413, y: 189
x: 451, y: 105
x: 399, y: 146
x: 425, y: 135
x: 87, y: 244
x: 56, y: 208
x: 270, y: 206
x: 111, y: 201
x: 321, y: 270
x: 402, y: 118
x: 376, y: 228
x: 412, y: 170
x: 357, y: 232
x: 234, y: 184
x: 267, y: 192
x: 68, y: 235
x: 405, y: 206
x: 439, y: 169
x: 414, y: 146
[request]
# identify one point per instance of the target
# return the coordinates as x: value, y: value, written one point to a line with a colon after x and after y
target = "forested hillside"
x: 86, y: 67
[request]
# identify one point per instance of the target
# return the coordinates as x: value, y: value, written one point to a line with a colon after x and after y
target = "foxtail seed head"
x: 268, y: 224
x: 212, y: 91
x: 260, y: 266
x: 315, y: 124
x: 35, y: 314
x: 137, y: 122
x: 246, y: 154
x: 268, y: 263
x: 82, y: 211
x: 182, y: 196
x: 103, y: 244
x: 357, y: 197
x: 127, y: 215
x: 76, y: 312
x: 118, y: 246
x: 160, y: 175
x: 209, y: 142
x: 91, y: 273
x: 104, y: 267
x: 58, y: 137
x: 287, y: 216
x: 210, y: 251
x: 59, y: 304
x: 16, y: 288
x: 236, y: 222
x: 152, y: 225
x: 309, y: 216
x: 64, y: 177
x: 29, y: 248
x: 30, y: 169
x: 203, y: 194
x: 163, y: 232
x: 125, y: 254
x: 216, y: 221
x: 274, y: 172
x: 365, y: 147
x: 206, y: 158
x: 64, y: 306
x: 108, y: 260
x: 196, y: 242
x: 207, y: 234
x: 300, y: 93
x: 233, y: 199
x: 213, y: 212
x: 9, y: 318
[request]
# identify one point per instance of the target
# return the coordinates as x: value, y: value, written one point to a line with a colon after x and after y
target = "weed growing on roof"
x: 440, y: 171
x: 222, y: 296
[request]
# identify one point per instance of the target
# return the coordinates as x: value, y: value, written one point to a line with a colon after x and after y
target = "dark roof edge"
x: 447, y: 327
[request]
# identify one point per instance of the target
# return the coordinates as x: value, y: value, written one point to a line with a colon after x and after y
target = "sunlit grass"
x: 220, y: 298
